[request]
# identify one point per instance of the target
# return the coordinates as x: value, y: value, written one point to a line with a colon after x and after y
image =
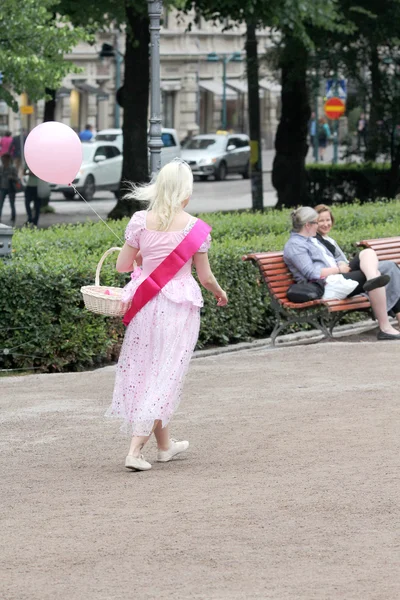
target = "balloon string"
x: 101, y: 219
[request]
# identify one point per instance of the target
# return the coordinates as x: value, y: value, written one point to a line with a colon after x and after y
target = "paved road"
x: 289, y: 490
x: 208, y: 196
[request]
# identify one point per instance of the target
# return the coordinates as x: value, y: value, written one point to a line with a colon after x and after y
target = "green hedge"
x: 44, y: 326
x: 345, y: 182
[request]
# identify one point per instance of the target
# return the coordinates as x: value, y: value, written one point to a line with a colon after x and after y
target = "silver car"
x: 217, y: 155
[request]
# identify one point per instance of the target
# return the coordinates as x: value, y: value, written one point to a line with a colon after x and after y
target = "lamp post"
x: 225, y: 58
x: 155, y: 141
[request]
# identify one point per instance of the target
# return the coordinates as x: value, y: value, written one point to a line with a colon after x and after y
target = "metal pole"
x: 336, y: 127
x: 224, y: 61
x: 155, y: 141
x: 316, y: 141
x: 117, y: 111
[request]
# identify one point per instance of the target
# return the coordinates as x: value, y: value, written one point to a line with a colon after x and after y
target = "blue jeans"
x: 11, y: 195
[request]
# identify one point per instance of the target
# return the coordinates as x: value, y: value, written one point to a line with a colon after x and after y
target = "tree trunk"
x: 50, y: 106
x: 135, y: 167
x: 49, y: 115
x: 288, y: 171
x: 257, y: 193
x: 375, y: 128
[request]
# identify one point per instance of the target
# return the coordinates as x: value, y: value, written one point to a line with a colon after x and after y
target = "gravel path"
x: 290, y: 490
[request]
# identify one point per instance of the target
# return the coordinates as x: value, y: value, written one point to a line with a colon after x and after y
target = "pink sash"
x: 168, y: 268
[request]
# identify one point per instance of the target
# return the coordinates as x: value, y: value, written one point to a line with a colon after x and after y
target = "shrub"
x: 44, y: 325
x: 345, y: 182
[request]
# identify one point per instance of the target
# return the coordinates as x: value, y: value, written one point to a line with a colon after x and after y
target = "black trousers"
x: 357, y: 275
x: 31, y: 195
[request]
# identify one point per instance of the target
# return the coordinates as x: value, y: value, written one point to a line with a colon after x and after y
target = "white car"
x: 170, y: 150
x: 101, y: 169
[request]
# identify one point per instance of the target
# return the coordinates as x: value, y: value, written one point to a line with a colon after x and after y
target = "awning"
x: 270, y: 86
x: 239, y: 85
x: 91, y: 89
x: 170, y: 85
x: 63, y: 92
x: 215, y: 87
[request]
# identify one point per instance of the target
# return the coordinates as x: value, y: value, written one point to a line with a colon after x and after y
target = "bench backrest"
x: 275, y: 272
x: 386, y: 248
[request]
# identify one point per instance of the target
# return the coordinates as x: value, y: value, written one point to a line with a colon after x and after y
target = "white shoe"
x: 137, y: 463
x: 174, y: 449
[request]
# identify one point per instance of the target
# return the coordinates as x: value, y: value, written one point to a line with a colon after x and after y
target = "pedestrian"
x: 164, y: 318
x: 324, y: 135
x: 17, y: 152
x: 86, y: 134
x: 31, y: 195
x: 8, y: 182
x: 361, y: 131
x: 5, y: 143
x: 312, y: 129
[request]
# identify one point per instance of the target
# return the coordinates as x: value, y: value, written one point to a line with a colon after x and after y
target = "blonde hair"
x: 324, y: 208
x: 166, y: 192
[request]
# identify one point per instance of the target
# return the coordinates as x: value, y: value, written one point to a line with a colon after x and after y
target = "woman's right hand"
x: 222, y: 298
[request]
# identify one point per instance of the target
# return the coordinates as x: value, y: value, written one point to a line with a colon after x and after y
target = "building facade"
x: 193, y: 87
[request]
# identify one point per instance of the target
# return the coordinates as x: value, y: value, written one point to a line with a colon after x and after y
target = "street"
x: 208, y: 196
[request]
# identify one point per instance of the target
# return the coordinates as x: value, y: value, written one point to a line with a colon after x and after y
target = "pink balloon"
x: 53, y: 152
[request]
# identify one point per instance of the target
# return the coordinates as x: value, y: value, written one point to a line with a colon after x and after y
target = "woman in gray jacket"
x: 309, y: 260
x: 386, y: 267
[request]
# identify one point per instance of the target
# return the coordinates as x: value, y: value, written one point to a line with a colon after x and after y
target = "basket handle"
x: 106, y: 253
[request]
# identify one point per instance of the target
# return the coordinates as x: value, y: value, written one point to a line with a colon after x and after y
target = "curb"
x: 290, y: 339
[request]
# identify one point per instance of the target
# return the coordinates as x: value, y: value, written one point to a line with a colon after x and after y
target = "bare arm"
x: 126, y: 259
x: 207, y: 278
x: 341, y: 268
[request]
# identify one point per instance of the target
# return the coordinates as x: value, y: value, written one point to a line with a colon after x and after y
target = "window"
x: 168, y: 140
x: 234, y: 142
x: 168, y: 109
x: 115, y: 151
x: 107, y: 151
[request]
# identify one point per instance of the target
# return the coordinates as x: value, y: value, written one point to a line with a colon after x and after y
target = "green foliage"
x: 44, y: 325
x: 33, y: 43
x: 347, y: 182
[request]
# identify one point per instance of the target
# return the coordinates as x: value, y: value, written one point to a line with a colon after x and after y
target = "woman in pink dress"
x: 160, y: 339
x: 5, y: 143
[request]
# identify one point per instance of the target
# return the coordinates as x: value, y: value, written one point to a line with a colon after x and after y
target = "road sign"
x: 1, y: 77
x: 336, y: 89
x: 334, y: 108
x: 26, y: 110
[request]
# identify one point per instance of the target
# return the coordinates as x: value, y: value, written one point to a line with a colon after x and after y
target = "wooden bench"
x: 322, y: 314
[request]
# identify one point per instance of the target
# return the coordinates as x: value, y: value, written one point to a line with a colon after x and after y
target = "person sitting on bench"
x: 386, y: 267
x: 309, y: 260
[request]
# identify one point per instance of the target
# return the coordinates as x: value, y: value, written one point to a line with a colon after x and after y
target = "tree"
x: 32, y: 48
x: 132, y: 16
x: 290, y: 22
x: 368, y: 53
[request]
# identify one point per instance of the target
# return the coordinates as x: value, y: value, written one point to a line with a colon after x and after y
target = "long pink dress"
x: 160, y: 339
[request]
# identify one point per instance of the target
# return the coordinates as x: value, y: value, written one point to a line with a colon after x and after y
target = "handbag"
x: 15, y: 185
x: 306, y: 291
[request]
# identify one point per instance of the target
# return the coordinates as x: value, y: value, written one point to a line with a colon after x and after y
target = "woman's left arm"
x: 126, y: 259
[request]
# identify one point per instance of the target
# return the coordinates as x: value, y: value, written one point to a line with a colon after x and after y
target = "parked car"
x: 101, y: 170
x: 218, y: 154
x: 170, y: 150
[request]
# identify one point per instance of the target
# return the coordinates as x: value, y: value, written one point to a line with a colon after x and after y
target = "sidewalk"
x: 289, y: 490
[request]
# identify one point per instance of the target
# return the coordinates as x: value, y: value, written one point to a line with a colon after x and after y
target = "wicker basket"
x: 98, y: 301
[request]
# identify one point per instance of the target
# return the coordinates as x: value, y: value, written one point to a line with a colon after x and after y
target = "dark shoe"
x: 388, y: 336
x: 376, y: 282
